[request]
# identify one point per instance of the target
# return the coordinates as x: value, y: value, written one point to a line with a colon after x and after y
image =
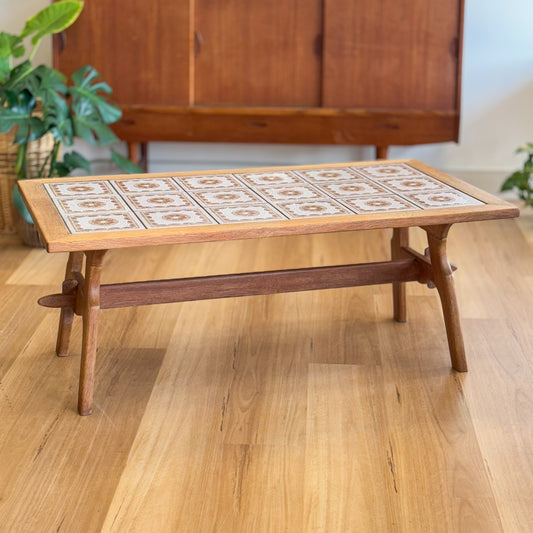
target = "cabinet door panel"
x: 391, y: 53
x: 140, y: 48
x: 258, y: 52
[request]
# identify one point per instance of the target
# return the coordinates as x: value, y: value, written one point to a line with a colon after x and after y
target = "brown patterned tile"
x: 90, y: 205
x: 355, y: 187
x: 235, y: 196
x: 245, y: 213
x: 102, y: 222
x: 290, y: 192
x: 207, y: 182
x: 264, y: 179
x: 328, y: 174
x: 161, y: 201
x: 394, y: 170
x: 175, y: 218
x: 443, y: 198
x: 148, y: 185
x: 313, y: 208
x: 79, y: 188
x: 414, y: 184
x: 379, y: 204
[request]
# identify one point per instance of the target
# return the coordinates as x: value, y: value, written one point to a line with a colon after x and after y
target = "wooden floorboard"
x: 294, y: 412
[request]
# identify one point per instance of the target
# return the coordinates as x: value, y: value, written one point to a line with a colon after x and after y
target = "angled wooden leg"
x: 443, y: 280
x: 400, y: 238
x: 74, y: 265
x: 90, y: 310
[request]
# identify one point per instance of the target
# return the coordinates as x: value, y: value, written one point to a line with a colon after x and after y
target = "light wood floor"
x: 306, y: 412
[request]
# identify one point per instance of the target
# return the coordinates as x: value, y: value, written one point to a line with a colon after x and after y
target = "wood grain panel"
x: 258, y: 52
x: 143, y: 53
x: 286, y: 125
x: 392, y: 54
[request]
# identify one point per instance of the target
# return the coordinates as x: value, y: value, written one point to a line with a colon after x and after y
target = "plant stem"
x: 34, y: 51
x: 55, y: 151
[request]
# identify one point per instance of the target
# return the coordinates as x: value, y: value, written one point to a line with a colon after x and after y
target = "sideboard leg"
x: 400, y: 238
x: 138, y: 154
x: 443, y: 280
x: 74, y: 265
x: 91, y: 308
x: 382, y: 152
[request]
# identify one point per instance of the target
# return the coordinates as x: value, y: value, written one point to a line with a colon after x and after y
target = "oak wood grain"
x: 461, y: 442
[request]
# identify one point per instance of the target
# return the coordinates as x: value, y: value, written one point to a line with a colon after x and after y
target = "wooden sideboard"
x: 377, y: 72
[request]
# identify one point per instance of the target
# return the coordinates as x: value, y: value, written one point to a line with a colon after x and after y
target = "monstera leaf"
x: 71, y: 161
x: 10, y: 46
x: 89, y: 89
x: 52, y: 19
x: 18, y: 114
x: 89, y: 125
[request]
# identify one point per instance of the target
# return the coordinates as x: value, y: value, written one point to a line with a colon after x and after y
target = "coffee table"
x: 89, y: 216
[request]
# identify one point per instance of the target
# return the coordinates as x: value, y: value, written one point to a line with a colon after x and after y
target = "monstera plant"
x: 521, y: 181
x: 38, y: 100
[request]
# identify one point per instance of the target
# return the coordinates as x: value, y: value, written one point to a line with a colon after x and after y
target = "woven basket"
x: 37, y: 152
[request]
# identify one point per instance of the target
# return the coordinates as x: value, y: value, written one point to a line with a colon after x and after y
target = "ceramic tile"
x: 88, y: 205
x: 79, y: 188
x: 175, y: 218
x: 110, y: 204
x: 136, y: 186
x: 161, y: 201
x: 264, y: 179
x: 102, y: 222
x: 235, y: 196
x: 354, y: 187
x: 414, y: 184
x: 328, y: 174
x: 395, y: 170
x: 246, y: 213
x: 290, y: 192
x: 313, y: 208
x: 379, y: 204
x: 211, y: 181
x: 444, y: 198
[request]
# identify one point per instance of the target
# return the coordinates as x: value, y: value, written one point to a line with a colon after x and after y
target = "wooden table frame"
x: 84, y: 295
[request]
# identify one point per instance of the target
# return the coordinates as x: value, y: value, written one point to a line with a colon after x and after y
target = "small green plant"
x: 39, y: 100
x: 521, y: 181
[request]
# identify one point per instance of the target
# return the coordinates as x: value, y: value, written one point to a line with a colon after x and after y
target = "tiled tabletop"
x: 111, y: 204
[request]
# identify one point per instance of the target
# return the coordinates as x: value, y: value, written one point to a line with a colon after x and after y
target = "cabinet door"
x: 140, y: 48
x: 258, y: 52
x: 391, y: 53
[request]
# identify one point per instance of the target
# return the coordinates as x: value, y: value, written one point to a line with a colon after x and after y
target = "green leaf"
x: 75, y: 160
x: 10, y: 45
x: 87, y: 88
x: 88, y: 124
x: 125, y: 164
x: 18, y: 77
x: 509, y: 183
x: 52, y: 19
x: 19, y: 114
x: 20, y: 205
x: 528, y: 147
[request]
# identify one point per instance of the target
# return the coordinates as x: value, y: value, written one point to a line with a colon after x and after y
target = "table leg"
x: 91, y: 308
x: 400, y: 238
x: 74, y: 265
x: 443, y: 279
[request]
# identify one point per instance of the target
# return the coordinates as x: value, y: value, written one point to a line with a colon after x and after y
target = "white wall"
x: 497, y: 104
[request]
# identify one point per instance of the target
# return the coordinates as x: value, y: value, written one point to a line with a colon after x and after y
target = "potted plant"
x: 38, y: 103
x: 521, y: 181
